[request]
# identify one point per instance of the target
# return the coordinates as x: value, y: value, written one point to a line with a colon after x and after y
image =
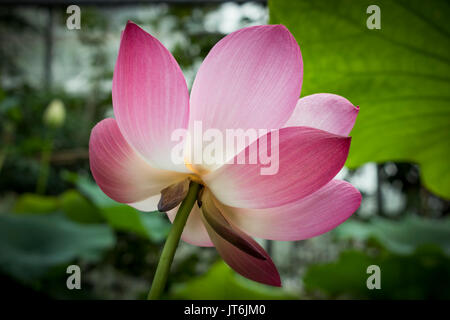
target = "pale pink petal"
x: 147, y: 205
x: 150, y: 97
x: 313, y: 215
x: 307, y: 159
x: 120, y: 171
x: 257, y: 269
x: 194, y: 231
x: 250, y: 79
x: 324, y: 111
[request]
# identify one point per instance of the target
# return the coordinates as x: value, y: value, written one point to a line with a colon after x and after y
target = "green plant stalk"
x: 44, y: 168
x: 3, y: 154
x: 168, y: 252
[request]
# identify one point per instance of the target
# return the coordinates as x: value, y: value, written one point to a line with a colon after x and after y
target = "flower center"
x: 197, y: 170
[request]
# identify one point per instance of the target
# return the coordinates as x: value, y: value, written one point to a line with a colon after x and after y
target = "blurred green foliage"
x: 413, y: 255
x: 30, y: 203
x: 398, y: 75
x: 425, y: 274
x: 75, y: 206
x: 402, y: 237
x: 31, y: 245
x: 222, y: 283
x: 23, y: 138
x: 153, y: 225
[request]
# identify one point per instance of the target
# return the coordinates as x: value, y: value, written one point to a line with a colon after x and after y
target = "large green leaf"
x: 153, y: 225
x: 71, y: 202
x: 398, y: 75
x: 78, y: 208
x: 31, y: 244
x: 222, y: 283
x: 30, y: 203
x: 93, y: 206
x: 402, y: 237
x: 93, y: 192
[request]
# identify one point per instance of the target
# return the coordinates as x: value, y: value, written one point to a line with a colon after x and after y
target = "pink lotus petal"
x: 308, y: 159
x: 311, y: 216
x: 215, y: 219
x: 324, y: 111
x: 250, y: 79
x: 119, y: 171
x: 147, y: 205
x: 150, y: 97
x: 261, y: 270
x: 194, y: 232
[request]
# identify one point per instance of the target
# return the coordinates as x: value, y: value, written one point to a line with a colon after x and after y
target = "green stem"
x: 165, y: 261
x: 44, y: 168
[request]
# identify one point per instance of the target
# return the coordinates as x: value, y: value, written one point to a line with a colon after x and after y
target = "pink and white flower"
x: 250, y: 79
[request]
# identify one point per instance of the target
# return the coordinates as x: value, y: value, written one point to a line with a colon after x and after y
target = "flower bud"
x: 55, y: 114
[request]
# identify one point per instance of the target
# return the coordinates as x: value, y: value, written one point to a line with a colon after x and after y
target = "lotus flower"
x: 250, y: 79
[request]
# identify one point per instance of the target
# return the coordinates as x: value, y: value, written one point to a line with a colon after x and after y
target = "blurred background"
x: 55, y: 85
